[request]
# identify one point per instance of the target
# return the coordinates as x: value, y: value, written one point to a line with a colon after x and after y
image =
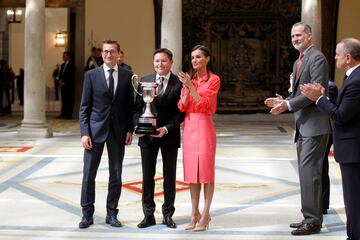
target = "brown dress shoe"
x: 307, y: 229
x: 296, y: 225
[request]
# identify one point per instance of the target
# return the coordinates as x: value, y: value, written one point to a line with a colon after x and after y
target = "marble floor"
x: 256, y: 193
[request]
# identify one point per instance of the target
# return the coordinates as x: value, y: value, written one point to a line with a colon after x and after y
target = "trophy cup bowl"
x: 147, y: 120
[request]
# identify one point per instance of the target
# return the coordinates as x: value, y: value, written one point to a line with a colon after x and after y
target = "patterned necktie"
x: 298, y: 65
x: 159, y: 90
x: 111, y: 81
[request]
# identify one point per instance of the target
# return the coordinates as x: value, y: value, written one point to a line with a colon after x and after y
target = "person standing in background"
x: 55, y: 76
x: 332, y: 92
x: 20, y: 86
x: 121, y: 61
x: 67, y: 84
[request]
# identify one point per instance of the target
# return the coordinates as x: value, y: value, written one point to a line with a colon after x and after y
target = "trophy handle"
x: 135, y: 81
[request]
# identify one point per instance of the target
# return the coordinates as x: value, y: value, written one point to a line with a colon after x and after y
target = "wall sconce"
x: 14, y: 15
x: 60, y: 39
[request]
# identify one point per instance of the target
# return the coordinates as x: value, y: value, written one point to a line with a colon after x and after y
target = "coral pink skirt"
x: 199, y: 148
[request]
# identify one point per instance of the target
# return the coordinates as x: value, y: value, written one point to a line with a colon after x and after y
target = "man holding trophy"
x: 157, y: 120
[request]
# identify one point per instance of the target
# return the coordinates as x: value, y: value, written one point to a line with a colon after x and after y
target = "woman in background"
x: 198, y: 100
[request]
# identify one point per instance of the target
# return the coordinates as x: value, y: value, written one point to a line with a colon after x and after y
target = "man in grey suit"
x: 105, y: 117
x: 345, y: 116
x: 312, y: 127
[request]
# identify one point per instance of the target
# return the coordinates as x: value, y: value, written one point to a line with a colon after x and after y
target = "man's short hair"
x: 307, y: 28
x: 67, y: 53
x: 351, y: 46
x: 164, y: 50
x: 108, y: 41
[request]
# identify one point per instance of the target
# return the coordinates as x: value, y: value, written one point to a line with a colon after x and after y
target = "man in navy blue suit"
x: 105, y: 117
x: 345, y: 116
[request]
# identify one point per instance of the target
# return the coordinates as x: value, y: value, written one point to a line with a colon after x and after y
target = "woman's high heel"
x: 202, y: 228
x: 193, y: 223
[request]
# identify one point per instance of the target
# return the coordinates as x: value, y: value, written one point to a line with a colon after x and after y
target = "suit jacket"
x: 166, y: 111
x: 345, y: 116
x: 100, y: 110
x: 332, y: 91
x: 67, y: 75
x: 309, y: 120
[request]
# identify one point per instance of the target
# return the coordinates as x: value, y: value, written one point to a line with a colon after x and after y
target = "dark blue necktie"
x: 111, y: 82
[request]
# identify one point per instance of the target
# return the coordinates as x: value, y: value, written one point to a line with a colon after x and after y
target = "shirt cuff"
x: 288, y: 105
x: 319, y: 99
x: 166, y: 130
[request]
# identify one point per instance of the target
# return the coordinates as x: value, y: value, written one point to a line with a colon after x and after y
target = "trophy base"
x: 146, y: 126
x: 146, y: 131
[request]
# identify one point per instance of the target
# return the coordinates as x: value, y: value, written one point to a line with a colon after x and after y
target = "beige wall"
x: 55, y: 19
x: 348, y: 26
x: 131, y: 23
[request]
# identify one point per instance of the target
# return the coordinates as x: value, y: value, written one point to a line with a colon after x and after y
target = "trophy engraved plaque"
x: 147, y: 120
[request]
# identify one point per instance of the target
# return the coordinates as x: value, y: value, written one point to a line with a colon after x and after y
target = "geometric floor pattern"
x: 256, y: 190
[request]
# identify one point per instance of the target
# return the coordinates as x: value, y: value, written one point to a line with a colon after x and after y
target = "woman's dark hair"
x: 206, y: 52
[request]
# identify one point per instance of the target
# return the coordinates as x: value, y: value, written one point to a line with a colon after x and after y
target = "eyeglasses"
x: 111, y: 52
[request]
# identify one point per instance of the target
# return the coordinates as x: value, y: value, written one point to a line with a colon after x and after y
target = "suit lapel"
x: 103, y: 84
x: 119, y: 82
x: 345, y: 83
x: 169, y: 87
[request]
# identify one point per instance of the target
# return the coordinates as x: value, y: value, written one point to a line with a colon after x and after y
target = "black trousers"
x: 67, y: 101
x: 148, y: 159
x: 350, y: 174
x: 91, y: 163
x: 325, y: 177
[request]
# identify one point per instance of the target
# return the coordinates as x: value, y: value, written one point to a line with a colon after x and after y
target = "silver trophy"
x: 147, y: 120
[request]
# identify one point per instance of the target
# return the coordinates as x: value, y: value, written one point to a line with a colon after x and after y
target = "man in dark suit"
x: 332, y: 93
x: 105, y: 117
x: 312, y: 127
x: 167, y: 139
x: 67, y: 84
x: 345, y: 116
x: 121, y: 61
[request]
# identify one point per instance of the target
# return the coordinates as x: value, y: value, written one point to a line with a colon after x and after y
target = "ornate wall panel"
x: 250, y: 43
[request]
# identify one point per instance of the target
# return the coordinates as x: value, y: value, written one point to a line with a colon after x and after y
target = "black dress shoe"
x: 86, y: 222
x: 113, y: 221
x: 147, y: 222
x: 296, y: 225
x: 307, y: 229
x: 167, y: 220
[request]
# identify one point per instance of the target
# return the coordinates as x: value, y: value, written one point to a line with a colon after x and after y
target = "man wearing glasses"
x: 105, y: 117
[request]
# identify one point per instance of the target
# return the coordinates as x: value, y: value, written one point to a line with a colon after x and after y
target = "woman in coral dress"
x: 198, y: 100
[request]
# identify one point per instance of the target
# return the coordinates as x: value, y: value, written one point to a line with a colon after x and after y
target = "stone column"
x: 311, y: 14
x: 34, y: 123
x: 171, y: 31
